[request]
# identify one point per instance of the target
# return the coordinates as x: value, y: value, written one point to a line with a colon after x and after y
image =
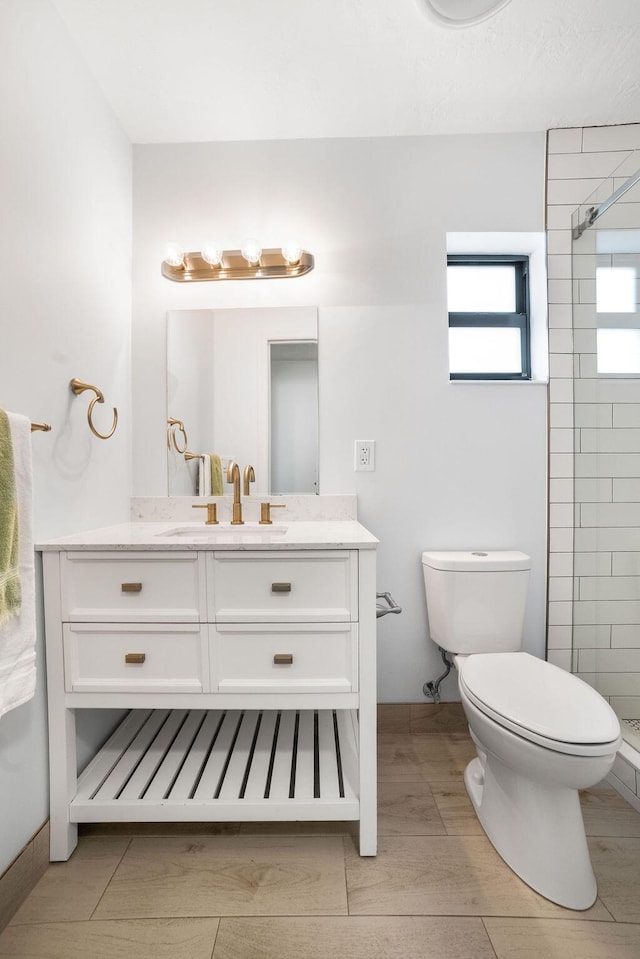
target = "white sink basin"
x: 227, y: 531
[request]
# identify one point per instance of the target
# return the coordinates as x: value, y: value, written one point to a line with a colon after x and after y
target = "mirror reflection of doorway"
x: 293, y: 453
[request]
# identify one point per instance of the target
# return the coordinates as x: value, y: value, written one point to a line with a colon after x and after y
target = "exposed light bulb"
x: 174, y: 255
x: 292, y: 252
x: 251, y: 251
x: 211, y: 254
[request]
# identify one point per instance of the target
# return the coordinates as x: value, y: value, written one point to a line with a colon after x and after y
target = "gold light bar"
x: 272, y: 265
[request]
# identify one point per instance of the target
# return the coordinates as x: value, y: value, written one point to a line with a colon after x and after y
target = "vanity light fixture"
x: 251, y: 251
x: 249, y: 263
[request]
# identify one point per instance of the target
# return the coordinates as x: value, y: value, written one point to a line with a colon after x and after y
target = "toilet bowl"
x: 541, y: 734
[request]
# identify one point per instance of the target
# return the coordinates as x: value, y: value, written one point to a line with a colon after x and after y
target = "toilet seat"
x: 540, y: 702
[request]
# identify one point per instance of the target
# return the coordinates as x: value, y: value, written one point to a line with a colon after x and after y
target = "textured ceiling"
x: 194, y: 70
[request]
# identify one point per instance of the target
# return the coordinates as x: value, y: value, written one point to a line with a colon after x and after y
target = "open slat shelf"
x: 163, y: 765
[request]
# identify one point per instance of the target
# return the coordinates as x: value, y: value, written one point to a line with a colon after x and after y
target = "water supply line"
x: 432, y: 689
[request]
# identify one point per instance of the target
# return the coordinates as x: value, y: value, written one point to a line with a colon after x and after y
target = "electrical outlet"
x: 365, y: 455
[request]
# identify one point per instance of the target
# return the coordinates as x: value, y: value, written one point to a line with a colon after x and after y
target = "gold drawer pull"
x: 283, y: 659
x: 135, y: 657
x: 132, y: 587
x: 281, y: 587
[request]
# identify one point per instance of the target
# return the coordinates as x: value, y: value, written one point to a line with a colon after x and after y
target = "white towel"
x: 18, y: 634
x: 204, y: 475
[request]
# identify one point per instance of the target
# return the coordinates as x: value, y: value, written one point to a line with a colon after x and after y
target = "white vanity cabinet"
x: 247, y: 676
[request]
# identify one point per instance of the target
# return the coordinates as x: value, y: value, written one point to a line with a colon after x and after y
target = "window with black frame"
x: 488, y: 303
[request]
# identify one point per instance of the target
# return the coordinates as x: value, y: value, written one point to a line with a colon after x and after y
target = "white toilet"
x: 541, y: 734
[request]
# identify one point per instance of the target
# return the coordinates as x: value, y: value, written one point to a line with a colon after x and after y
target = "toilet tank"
x: 476, y: 599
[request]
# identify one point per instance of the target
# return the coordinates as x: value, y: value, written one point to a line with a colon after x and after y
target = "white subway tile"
x: 593, y: 415
x: 561, y: 390
x: 560, y: 657
x: 564, y: 140
x: 592, y: 636
x: 617, y: 612
x: 611, y: 514
x: 560, y: 341
x: 626, y: 490
x: 561, y: 365
x: 610, y: 441
x: 561, y: 416
x: 561, y: 539
x: 560, y: 316
x: 561, y: 564
x: 617, y: 391
x: 584, y: 165
x: 560, y: 514
x: 559, y: 242
x: 618, y: 684
x: 627, y: 637
x: 559, y: 637
x: 586, y: 391
x: 585, y: 341
x: 592, y: 564
x: 561, y: 489
x: 626, y: 564
x: 627, y: 707
x: 584, y: 316
x: 575, y: 190
x: 627, y: 414
x: 561, y: 440
x: 560, y: 589
x: 609, y: 587
x: 559, y: 216
x: 593, y: 490
x: 605, y: 139
x: 608, y: 464
x: 586, y: 291
x: 588, y: 365
x: 585, y: 613
x: 560, y: 291
x: 560, y: 613
x: 559, y: 266
x: 590, y: 539
x: 560, y: 464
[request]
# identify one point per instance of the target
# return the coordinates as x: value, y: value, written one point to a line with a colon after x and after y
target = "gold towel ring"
x: 171, y: 435
x: 77, y: 386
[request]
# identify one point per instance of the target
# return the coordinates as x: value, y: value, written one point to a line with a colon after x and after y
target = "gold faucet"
x: 233, y: 476
x: 248, y: 476
x: 212, y: 512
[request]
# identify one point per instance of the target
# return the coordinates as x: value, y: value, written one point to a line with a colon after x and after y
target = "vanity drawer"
x: 290, y: 658
x: 135, y: 658
x: 283, y: 586
x: 132, y: 587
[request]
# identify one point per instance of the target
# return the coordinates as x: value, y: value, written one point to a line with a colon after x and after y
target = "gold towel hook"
x: 45, y: 427
x: 176, y: 426
x: 77, y: 387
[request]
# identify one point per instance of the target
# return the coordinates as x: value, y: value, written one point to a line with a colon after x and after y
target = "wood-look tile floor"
x: 300, y: 891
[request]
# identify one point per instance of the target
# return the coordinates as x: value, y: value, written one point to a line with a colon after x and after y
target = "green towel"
x: 217, y: 489
x: 10, y: 591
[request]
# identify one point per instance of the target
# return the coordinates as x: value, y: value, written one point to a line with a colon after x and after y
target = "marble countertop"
x: 325, y: 534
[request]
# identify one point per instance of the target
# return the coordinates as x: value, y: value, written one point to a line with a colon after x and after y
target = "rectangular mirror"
x: 244, y: 383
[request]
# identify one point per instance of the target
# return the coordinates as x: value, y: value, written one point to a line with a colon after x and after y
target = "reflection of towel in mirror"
x: 17, y: 581
x: 217, y: 488
x: 204, y: 475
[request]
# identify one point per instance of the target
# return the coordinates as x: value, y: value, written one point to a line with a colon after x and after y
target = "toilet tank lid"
x: 476, y: 561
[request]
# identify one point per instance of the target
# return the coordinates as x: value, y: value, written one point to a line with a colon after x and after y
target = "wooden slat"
x: 153, y: 756
x: 348, y: 754
x: 102, y: 764
x: 305, y: 757
x: 281, y: 774
x: 129, y: 760
x: 194, y: 762
x: 215, y: 765
x: 235, y: 774
x: 327, y: 755
x: 171, y: 764
x: 257, y: 780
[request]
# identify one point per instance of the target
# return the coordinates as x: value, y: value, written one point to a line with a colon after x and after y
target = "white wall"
x: 65, y: 251
x: 457, y: 464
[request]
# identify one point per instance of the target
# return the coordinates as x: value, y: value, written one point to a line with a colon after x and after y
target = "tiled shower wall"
x: 598, y: 635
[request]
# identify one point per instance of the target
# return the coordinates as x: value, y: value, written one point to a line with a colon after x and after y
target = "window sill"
x: 499, y: 382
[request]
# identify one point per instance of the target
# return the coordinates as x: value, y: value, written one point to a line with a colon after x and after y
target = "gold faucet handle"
x: 265, y: 512
x: 212, y: 512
